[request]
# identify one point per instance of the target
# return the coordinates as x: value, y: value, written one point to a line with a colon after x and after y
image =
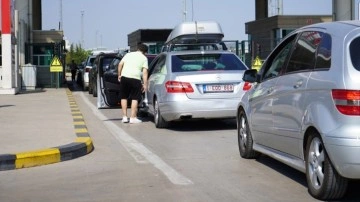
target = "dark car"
x: 109, y: 86
x: 102, y: 61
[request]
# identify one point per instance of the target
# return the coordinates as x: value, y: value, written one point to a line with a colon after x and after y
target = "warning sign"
x: 55, y: 65
x: 256, y: 63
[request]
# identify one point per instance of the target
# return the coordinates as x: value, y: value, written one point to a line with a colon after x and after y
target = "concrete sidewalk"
x: 41, y: 127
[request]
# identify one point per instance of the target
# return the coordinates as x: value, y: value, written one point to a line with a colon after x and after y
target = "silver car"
x: 194, y: 85
x: 304, y: 107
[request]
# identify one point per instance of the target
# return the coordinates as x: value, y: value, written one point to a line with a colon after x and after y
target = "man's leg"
x: 134, y: 107
x: 124, y: 106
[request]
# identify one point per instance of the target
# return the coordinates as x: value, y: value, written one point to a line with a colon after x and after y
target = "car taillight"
x: 178, y: 87
x: 87, y: 70
x: 347, y: 101
x: 247, y: 86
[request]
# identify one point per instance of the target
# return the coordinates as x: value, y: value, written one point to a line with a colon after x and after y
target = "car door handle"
x: 298, y: 84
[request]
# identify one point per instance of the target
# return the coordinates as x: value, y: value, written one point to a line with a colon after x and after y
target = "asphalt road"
x: 192, y: 161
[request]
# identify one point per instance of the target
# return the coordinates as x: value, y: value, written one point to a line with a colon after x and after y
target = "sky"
x: 107, y: 23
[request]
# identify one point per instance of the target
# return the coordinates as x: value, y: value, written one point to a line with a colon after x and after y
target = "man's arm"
x: 120, y: 66
x: 145, y: 79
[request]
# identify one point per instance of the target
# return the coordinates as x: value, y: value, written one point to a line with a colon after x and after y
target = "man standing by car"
x: 129, y: 76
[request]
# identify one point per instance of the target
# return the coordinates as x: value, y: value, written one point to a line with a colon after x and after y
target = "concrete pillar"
x: 343, y: 10
x: 8, y: 47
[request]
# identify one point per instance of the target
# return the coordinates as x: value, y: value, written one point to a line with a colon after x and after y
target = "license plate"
x: 218, y: 88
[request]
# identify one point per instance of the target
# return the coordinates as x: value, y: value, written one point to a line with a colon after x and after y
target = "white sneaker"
x: 135, y: 120
x: 125, y: 119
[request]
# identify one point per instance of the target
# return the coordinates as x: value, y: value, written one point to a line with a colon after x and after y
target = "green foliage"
x: 77, y: 53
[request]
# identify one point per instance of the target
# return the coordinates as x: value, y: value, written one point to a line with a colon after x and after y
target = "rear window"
x: 206, y: 62
x: 354, y: 53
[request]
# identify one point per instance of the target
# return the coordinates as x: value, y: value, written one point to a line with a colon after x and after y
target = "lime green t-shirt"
x: 134, y: 62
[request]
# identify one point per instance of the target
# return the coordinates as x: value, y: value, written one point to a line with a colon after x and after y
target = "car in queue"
x: 192, y: 78
x: 107, y: 85
x: 83, y: 73
x: 304, y: 107
x: 103, y: 61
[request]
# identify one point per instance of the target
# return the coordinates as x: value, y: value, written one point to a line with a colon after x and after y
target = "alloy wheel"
x: 316, y: 160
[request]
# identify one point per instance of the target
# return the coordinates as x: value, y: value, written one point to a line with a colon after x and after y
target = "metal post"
x: 82, y: 30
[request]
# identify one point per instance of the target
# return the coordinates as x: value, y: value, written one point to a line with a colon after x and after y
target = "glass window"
x: 303, y: 56
x: 114, y: 64
x: 354, y: 53
x: 206, y: 62
x: 159, y: 66
x: 277, y: 60
x: 106, y: 62
x: 323, y: 57
x: 90, y: 62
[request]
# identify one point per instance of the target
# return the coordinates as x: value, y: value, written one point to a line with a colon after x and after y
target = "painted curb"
x: 81, y: 146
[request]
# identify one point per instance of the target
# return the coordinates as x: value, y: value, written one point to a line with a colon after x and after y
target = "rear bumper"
x: 199, y: 109
x: 344, y: 152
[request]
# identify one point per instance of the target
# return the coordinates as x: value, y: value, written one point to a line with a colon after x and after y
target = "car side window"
x: 114, y: 64
x: 323, y: 57
x: 159, y: 65
x: 276, y: 62
x: 303, y: 55
x: 153, y: 68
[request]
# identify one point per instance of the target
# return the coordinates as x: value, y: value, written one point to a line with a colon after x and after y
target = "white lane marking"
x: 133, y: 145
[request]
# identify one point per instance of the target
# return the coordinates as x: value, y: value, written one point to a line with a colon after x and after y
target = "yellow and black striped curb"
x: 80, y: 147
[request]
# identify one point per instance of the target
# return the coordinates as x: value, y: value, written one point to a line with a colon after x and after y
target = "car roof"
x: 191, y: 52
x: 340, y: 27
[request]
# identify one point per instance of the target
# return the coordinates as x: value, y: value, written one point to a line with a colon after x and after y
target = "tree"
x: 77, y: 53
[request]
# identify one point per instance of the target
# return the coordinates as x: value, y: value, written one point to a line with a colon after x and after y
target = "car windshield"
x: 206, y: 62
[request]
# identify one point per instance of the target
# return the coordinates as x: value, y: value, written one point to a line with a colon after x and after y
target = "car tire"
x: 158, y: 119
x: 245, y: 140
x: 94, y: 89
x: 90, y: 89
x: 324, y: 183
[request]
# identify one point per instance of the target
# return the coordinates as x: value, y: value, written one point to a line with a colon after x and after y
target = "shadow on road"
x: 352, y: 194
x: 203, y: 125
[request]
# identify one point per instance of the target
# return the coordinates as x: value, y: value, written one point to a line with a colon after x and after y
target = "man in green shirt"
x: 129, y: 71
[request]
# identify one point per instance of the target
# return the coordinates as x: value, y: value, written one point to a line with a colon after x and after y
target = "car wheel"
x: 245, y: 140
x: 91, y: 89
x: 94, y: 89
x: 324, y: 182
x: 158, y: 119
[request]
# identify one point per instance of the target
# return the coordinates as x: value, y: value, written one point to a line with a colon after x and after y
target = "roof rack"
x: 195, y: 35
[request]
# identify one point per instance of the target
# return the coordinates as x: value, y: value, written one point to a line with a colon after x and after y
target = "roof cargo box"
x: 196, y: 32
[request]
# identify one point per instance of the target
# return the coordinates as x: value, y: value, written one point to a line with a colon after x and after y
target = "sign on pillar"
x: 56, y: 66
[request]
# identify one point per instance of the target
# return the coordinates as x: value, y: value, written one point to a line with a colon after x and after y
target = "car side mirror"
x: 251, y: 76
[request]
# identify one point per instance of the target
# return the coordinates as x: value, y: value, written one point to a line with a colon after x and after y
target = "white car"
x: 85, y: 71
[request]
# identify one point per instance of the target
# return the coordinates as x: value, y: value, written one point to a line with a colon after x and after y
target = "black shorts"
x: 130, y: 89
